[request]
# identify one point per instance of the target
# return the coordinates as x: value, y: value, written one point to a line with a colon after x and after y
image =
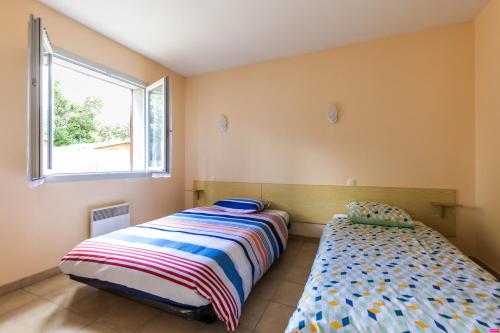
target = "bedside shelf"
x: 444, y: 206
x: 197, y: 193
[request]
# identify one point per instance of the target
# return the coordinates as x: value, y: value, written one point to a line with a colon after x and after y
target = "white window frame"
x: 167, y: 132
x: 38, y: 36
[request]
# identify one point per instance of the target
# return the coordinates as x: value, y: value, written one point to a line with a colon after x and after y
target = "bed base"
x: 204, y: 314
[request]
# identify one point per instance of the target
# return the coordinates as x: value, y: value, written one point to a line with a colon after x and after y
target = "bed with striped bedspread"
x: 191, y: 259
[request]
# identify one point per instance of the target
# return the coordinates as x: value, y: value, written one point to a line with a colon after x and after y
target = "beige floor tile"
x: 10, y: 327
x: 265, y: 288
x: 41, y: 316
x: 128, y: 316
x: 275, y: 318
x: 220, y: 327
x: 277, y: 271
x: 306, y: 256
x: 288, y: 293
x: 310, y: 246
x: 295, y: 264
x: 68, y: 295
x: 63, y: 321
x: 292, y: 249
x: 96, y: 304
x: 297, y: 274
x: 97, y: 328
x: 294, y: 245
x: 287, y: 259
x: 14, y: 300
x: 253, y: 309
x: 33, y: 311
x: 59, y: 304
x: 49, y: 285
x: 168, y: 323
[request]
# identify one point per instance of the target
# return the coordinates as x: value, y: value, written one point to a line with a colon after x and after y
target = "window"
x: 87, y: 121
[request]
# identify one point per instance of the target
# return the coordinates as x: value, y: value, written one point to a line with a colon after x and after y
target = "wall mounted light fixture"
x: 223, y: 123
x: 333, y: 114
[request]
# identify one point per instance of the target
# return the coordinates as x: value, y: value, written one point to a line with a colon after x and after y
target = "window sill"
x: 74, y: 177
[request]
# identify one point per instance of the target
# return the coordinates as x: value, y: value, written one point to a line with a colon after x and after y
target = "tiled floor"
x: 59, y: 304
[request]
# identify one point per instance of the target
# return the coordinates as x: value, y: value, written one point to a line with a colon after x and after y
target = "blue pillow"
x: 242, y: 205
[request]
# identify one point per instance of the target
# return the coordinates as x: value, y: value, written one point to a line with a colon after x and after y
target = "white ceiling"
x: 198, y: 36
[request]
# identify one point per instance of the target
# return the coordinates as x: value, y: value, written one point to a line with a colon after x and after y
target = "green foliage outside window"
x: 77, y: 123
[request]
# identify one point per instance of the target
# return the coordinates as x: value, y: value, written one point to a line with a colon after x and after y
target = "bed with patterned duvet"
x: 192, y: 259
x: 368, y: 278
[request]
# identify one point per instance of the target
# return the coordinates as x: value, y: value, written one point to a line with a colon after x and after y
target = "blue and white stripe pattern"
x: 242, y: 205
x: 195, y: 257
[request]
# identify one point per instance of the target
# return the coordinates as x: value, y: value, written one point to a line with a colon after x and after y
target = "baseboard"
x: 486, y: 267
x: 21, y: 283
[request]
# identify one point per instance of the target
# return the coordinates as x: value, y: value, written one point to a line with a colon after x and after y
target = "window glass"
x: 86, y: 119
x: 156, y: 126
x: 91, y: 122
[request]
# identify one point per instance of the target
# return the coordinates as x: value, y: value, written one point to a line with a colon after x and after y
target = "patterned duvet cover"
x: 383, y: 279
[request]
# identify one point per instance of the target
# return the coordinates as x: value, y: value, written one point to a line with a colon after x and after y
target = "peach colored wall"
x: 488, y: 132
x: 39, y: 225
x: 407, y: 118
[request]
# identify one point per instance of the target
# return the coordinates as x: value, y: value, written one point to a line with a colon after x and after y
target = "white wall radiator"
x: 107, y: 219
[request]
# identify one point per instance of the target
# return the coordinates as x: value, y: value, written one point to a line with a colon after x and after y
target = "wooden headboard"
x: 318, y: 203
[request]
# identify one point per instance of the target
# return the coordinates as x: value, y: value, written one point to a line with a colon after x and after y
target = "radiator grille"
x: 108, y: 219
x: 107, y: 212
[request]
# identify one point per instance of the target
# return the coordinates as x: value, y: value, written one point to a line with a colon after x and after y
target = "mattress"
x: 369, y: 278
x: 192, y: 258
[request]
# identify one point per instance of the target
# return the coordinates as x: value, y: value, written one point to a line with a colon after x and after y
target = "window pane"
x: 138, y: 130
x: 156, y: 127
x: 92, y: 118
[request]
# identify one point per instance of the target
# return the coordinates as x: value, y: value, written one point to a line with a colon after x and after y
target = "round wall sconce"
x: 223, y: 123
x: 333, y: 114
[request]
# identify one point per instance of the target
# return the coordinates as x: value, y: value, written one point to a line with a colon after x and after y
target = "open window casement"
x: 158, y: 128
x: 40, y: 104
x: 82, y: 144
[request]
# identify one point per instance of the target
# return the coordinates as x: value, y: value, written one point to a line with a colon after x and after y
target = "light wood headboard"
x: 318, y: 203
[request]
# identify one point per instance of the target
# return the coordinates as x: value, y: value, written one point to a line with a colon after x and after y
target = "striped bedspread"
x: 192, y: 258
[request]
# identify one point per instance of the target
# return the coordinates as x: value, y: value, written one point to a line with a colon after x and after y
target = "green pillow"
x: 378, y: 214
